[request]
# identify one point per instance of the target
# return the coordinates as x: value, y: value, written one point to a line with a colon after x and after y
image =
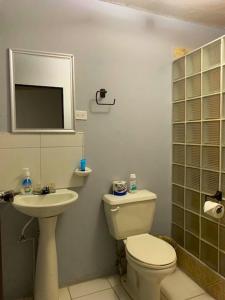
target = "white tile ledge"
x: 186, y: 289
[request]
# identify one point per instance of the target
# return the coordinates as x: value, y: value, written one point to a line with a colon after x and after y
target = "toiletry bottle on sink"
x: 26, y: 182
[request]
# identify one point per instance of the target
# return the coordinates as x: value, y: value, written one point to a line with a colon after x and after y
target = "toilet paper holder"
x: 218, y: 196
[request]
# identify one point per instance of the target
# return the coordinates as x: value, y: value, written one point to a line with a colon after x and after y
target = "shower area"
x: 198, y: 163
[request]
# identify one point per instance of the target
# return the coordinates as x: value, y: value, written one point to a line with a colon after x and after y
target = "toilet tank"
x: 131, y: 214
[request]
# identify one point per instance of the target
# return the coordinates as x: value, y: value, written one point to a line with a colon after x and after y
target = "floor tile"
x: 103, y: 295
x: 85, y: 288
x: 186, y: 288
x: 114, y: 280
x: 64, y: 294
x: 121, y: 293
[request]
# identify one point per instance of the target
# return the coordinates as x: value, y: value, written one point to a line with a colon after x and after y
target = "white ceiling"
x: 208, y: 12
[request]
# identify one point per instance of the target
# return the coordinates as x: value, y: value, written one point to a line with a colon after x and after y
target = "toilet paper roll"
x: 119, y: 187
x: 214, y: 209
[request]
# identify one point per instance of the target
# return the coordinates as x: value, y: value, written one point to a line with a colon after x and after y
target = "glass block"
x: 192, y: 244
x: 178, y: 174
x: 192, y: 200
x: 193, y: 63
x: 178, y: 133
x: 194, y: 109
x: 211, y: 107
x: 178, y: 216
x: 210, y: 157
x: 178, y: 234
x: 211, y: 82
x: 179, y: 68
x: 192, y: 222
x: 211, y: 133
x: 179, y: 90
x: 193, y: 85
x: 210, y: 182
x: 179, y: 112
x: 193, y: 178
x: 212, y: 55
x: 209, y: 255
x: 178, y: 195
x: 193, y: 133
x: 178, y: 154
x: 193, y: 156
x: 209, y: 231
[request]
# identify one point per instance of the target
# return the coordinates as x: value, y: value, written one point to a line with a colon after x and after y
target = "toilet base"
x: 144, y: 285
x: 146, y: 292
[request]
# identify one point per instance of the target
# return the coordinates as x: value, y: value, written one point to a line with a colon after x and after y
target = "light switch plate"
x: 81, y: 115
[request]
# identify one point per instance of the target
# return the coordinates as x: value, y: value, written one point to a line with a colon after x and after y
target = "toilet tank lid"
x: 140, y: 195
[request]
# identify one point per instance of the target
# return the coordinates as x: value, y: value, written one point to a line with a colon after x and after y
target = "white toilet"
x: 149, y: 258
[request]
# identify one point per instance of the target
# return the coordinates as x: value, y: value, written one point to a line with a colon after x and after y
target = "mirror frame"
x: 13, y: 98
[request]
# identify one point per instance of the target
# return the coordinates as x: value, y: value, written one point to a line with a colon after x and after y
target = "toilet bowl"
x: 150, y: 260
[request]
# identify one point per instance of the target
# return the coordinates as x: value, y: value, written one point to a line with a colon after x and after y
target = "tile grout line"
x: 80, y: 297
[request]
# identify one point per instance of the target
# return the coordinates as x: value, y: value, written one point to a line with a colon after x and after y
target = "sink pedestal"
x: 46, y: 277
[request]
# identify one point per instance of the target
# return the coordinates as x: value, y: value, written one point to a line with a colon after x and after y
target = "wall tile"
x: 13, y: 161
x: 62, y: 140
x: 10, y: 140
x: 58, y: 164
x: 209, y: 231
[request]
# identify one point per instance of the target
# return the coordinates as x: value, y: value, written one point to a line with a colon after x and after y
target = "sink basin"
x: 45, y: 206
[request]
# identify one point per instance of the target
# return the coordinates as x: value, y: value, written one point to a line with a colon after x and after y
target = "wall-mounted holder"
x: 218, y: 196
x: 101, y: 95
x: 87, y: 171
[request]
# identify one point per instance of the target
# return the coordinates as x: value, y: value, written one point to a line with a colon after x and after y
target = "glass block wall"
x: 199, y: 151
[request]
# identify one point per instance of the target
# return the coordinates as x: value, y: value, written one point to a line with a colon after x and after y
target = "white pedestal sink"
x: 46, y: 208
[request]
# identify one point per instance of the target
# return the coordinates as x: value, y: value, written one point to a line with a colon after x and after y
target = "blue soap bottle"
x: 26, y: 182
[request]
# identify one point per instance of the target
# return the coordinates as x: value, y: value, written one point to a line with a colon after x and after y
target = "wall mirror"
x: 42, y: 91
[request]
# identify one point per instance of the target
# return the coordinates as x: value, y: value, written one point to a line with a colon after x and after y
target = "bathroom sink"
x: 45, y: 206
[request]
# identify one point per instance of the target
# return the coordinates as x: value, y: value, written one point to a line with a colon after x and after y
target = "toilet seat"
x: 150, y: 252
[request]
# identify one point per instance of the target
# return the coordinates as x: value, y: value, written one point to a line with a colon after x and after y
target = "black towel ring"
x: 101, y: 95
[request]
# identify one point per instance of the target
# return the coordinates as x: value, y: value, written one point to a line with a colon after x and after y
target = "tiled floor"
x: 97, y: 289
x: 110, y: 288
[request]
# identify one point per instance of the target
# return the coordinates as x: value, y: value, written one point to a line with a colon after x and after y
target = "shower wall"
x: 199, y: 151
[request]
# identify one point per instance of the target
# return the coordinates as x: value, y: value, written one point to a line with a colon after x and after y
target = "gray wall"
x: 130, y: 54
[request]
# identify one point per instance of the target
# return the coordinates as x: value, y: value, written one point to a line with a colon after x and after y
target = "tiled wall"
x: 51, y: 158
x: 198, y: 151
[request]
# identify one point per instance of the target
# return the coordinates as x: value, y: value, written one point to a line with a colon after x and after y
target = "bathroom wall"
x: 130, y: 54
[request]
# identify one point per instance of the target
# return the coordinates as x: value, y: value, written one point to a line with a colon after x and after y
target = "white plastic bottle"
x: 132, y: 183
x: 26, y: 182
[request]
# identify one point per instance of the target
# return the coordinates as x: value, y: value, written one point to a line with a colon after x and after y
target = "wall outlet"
x: 81, y: 115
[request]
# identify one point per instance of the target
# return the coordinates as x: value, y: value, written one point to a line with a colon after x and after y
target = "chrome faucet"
x: 47, y: 189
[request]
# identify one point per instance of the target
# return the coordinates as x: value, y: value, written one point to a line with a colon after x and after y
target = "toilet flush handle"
x: 115, y: 209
